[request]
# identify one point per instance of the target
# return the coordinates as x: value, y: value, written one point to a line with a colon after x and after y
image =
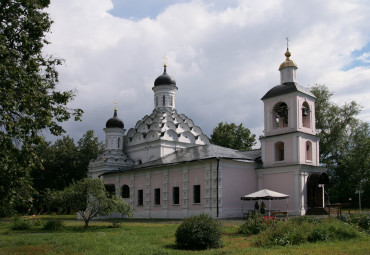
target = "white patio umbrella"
x: 266, y: 194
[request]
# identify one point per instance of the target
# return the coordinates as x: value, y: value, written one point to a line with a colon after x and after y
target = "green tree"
x: 352, y: 171
x: 344, y: 145
x: 89, y: 147
x: 63, y: 163
x: 233, y: 136
x: 90, y: 199
x: 29, y: 99
x: 333, y: 124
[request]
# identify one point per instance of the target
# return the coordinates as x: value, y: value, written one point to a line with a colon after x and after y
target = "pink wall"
x: 196, y: 177
x: 156, y: 181
x: 174, y: 180
x: 282, y: 183
x: 140, y: 181
x: 110, y: 180
x: 237, y: 181
x: 288, y: 152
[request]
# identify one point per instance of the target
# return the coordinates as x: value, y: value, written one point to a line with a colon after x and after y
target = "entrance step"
x: 317, y: 211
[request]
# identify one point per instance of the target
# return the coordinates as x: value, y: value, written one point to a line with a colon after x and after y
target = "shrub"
x: 318, y: 234
x: 115, y: 225
x: 332, y: 230
x: 283, y: 234
x: 362, y: 220
x: 21, y: 223
x: 297, y: 231
x: 255, y: 225
x: 198, y: 233
x: 53, y: 225
x: 340, y: 231
x: 302, y: 219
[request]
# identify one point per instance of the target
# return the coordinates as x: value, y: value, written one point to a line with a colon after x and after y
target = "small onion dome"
x: 287, y: 61
x: 114, y: 122
x: 164, y: 79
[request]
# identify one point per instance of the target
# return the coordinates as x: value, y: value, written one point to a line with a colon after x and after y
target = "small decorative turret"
x: 288, y: 68
x: 164, y: 91
x: 114, y: 122
x: 114, y: 131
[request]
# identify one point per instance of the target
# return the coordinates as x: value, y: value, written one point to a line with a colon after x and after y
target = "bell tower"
x: 289, y: 121
x: 290, y: 147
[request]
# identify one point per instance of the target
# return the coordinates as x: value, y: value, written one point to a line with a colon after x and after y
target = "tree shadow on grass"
x: 82, y: 229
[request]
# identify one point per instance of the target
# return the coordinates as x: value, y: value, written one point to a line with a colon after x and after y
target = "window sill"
x: 309, y: 161
x: 140, y: 206
x: 175, y: 204
x: 197, y: 203
x: 157, y: 205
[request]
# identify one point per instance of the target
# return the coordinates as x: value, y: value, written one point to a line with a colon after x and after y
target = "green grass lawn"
x: 145, y: 237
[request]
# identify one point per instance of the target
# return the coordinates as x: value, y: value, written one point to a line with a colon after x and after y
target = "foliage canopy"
x: 233, y: 136
x: 29, y: 99
x: 344, y: 145
x: 90, y: 199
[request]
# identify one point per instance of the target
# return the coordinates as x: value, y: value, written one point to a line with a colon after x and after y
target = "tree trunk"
x: 86, y: 223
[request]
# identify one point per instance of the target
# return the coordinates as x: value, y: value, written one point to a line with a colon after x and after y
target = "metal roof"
x: 197, y: 153
x: 286, y: 88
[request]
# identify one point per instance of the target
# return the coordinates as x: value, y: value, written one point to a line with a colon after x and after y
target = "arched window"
x: 279, y: 151
x: 110, y: 188
x: 309, y: 151
x: 171, y: 100
x: 125, y: 191
x: 280, y: 115
x: 306, y: 119
x: 118, y: 141
x: 164, y: 100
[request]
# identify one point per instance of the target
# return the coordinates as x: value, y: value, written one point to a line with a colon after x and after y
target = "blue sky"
x: 224, y: 55
x: 133, y: 9
x: 360, y: 58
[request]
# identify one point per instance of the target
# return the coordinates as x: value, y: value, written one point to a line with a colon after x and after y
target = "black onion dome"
x: 114, y: 122
x: 165, y: 79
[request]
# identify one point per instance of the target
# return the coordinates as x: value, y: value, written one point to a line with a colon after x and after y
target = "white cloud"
x: 223, y: 60
x: 364, y: 57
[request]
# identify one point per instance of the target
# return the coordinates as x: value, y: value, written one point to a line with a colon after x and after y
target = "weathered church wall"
x: 238, y: 180
x: 282, y: 182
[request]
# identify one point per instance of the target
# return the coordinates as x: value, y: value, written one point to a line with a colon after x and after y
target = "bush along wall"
x: 198, y: 233
x: 303, y: 229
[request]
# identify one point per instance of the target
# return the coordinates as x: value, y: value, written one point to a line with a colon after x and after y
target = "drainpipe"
x: 218, y: 165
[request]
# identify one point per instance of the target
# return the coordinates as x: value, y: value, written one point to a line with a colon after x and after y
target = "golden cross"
x: 165, y: 60
x: 287, y: 42
x: 115, y: 105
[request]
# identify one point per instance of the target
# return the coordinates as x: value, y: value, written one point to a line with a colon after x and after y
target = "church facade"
x: 165, y: 167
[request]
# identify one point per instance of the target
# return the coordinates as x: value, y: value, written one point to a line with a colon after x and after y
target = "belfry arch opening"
x: 280, y: 115
x: 306, y: 118
x: 279, y: 151
x: 308, y: 151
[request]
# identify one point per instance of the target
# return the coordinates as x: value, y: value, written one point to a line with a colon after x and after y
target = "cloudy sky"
x: 223, y: 54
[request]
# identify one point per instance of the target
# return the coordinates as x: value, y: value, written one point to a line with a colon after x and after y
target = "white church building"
x: 165, y: 167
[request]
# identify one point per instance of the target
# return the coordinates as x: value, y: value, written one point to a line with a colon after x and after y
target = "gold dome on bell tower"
x: 288, y: 62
